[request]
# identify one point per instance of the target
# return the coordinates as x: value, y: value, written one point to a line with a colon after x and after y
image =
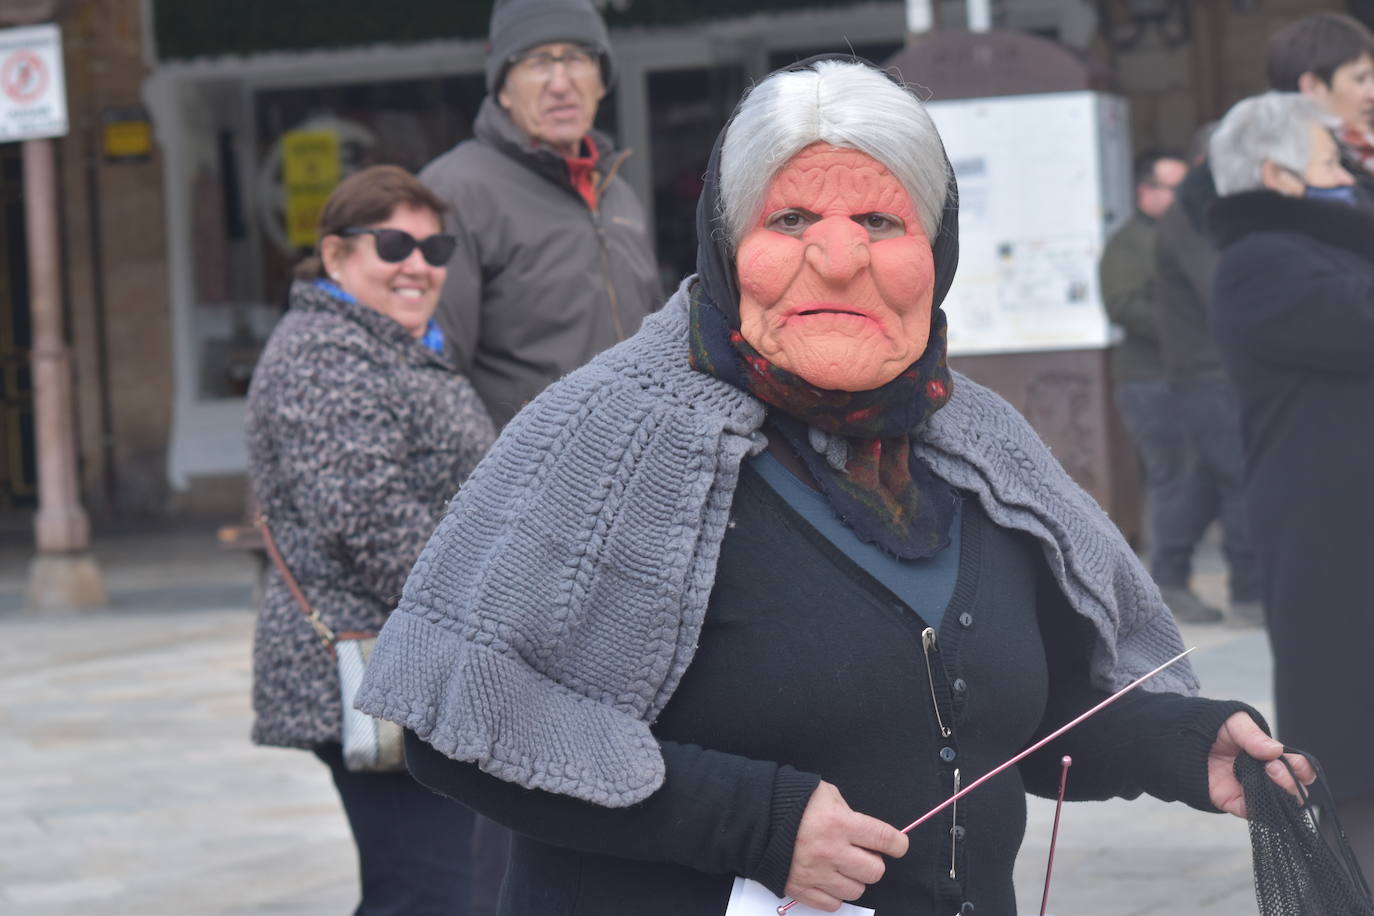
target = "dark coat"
x: 1127, y: 274
x: 1294, y: 317
x: 540, y: 283
x: 358, y: 437
x: 1185, y: 262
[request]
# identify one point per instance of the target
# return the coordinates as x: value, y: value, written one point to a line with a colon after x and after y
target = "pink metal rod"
x: 1041, y: 743
x: 1054, y: 834
x: 782, y: 910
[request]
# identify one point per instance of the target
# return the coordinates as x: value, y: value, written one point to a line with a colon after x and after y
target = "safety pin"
x: 783, y: 908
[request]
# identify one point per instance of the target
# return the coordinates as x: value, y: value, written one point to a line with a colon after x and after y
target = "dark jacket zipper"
x: 612, y: 297
x: 601, y: 183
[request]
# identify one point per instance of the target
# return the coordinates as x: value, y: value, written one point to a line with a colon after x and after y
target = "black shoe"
x: 1187, y: 607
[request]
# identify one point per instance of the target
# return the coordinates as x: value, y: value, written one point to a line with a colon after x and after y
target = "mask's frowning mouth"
x: 806, y: 312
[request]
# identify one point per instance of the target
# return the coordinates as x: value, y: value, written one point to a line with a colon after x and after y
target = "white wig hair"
x: 1274, y: 126
x: 842, y: 103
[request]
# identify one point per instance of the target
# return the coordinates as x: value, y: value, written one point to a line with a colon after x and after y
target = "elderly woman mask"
x: 826, y: 308
x: 836, y: 280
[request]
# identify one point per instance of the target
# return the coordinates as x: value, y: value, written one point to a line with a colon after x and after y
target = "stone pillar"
x: 63, y: 574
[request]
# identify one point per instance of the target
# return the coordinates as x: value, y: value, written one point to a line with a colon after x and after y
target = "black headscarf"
x: 873, y: 481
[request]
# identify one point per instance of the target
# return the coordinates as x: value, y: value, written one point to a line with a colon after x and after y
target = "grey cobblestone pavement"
x: 130, y: 787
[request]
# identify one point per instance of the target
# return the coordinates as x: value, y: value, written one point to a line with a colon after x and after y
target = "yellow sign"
x: 310, y: 170
x: 128, y: 139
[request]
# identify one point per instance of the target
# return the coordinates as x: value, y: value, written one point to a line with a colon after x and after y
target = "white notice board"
x: 33, y: 91
x: 1043, y: 181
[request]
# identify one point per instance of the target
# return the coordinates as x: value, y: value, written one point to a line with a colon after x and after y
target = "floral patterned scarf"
x: 856, y: 444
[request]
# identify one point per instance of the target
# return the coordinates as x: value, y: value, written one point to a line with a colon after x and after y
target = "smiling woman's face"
x: 837, y: 278
x: 406, y: 291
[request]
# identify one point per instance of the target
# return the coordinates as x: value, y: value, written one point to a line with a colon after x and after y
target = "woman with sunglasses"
x: 359, y: 433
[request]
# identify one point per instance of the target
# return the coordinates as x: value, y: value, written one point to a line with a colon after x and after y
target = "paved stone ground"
x: 130, y: 788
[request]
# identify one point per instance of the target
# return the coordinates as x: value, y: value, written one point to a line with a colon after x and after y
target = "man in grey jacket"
x: 554, y: 262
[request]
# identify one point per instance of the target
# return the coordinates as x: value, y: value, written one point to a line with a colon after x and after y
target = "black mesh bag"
x: 1297, y: 871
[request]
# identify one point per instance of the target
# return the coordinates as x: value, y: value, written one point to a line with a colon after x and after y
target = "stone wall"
x: 115, y: 241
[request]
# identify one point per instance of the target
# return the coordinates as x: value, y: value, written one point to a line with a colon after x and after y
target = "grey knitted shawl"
x: 559, y: 603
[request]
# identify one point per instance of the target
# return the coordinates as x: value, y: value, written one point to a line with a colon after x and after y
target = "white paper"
x: 749, y: 898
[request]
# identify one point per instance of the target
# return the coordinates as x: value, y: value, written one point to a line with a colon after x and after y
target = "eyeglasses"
x: 538, y: 66
x: 395, y: 245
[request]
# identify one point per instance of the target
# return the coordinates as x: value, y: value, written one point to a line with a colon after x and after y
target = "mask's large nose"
x: 837, y: 248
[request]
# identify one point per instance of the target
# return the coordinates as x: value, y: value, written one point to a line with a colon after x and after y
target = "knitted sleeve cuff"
x: 1197, y: 732
x: 791, y: 792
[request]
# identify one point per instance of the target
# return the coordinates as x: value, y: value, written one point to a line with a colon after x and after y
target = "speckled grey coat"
x: 358, y: 436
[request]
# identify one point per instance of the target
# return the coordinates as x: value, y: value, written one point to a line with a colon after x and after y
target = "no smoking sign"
x: 23, y: 77
x: 33, y: 97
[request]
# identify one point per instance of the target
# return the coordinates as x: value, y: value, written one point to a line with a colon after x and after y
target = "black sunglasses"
x: 395, y: 245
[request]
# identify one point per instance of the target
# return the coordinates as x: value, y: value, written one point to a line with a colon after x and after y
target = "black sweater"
x: 806, y: 659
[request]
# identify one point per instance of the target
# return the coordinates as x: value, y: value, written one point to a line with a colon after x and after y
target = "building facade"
x: 191, y: 125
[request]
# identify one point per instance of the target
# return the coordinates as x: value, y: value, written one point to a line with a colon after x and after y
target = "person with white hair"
x: 723, y: 607
x: 1278, y: 142
x: 1293, y: 313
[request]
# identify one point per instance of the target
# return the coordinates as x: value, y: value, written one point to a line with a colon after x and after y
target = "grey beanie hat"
x: 518, y: 25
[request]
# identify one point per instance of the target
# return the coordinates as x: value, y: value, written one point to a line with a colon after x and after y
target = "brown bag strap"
x: 326, y: 635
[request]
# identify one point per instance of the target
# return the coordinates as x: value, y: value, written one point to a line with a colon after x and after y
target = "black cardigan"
x: 805, y: 658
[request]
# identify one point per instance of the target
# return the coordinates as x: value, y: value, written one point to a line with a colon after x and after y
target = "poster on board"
x: 310, y: 170
x: 1043, y: 182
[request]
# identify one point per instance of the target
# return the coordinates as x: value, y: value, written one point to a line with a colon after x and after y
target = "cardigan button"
x: 966, y: 619
x: 947, y: 754
x: 960, y: 685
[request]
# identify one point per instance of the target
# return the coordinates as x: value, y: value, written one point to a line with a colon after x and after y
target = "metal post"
x: 63, y: 574
x: 62, y: 526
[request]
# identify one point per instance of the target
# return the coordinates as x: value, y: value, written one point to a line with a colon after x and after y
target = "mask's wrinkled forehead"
x: 823, y: 178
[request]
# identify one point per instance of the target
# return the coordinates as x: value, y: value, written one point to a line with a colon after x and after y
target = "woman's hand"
x: 1241, y: 733
x: 839, y: 851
